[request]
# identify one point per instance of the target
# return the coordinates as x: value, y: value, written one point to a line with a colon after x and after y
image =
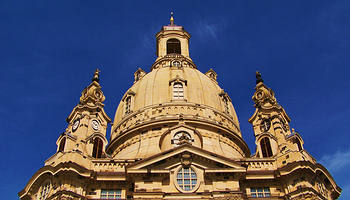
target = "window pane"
x: 186, y: 179
x: 260, y: 192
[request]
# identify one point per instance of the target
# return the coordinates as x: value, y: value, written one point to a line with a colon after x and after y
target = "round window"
x: 181, y: 138
x: 186, y: 179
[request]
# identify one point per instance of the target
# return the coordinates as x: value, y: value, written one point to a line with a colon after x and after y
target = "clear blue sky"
x: 49, y: 50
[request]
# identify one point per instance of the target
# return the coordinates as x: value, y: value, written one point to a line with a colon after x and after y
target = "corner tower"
x: 87, y: 124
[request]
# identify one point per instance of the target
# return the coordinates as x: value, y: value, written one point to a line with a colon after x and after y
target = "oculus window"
x: 181, y: 138
x: 186, y: 179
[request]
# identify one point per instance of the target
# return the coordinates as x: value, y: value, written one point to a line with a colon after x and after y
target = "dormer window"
x: 128, y: 100
x: 226, y: 105
x: 225, y: 100
x: 178, y: 91
x: 128, y: 105
x: 173, y: 46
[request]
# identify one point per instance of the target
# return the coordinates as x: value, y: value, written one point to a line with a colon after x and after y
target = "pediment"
x: 184, y: 155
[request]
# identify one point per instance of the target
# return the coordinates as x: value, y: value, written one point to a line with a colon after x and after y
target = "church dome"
x: 175, y: 97
x: 155, y: 88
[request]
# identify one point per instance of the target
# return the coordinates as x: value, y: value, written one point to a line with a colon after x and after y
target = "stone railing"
x: 109, y: 166
x: 265, y: 164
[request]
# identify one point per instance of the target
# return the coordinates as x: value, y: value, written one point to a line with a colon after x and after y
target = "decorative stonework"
x: 139, y: 74
x: 212, y: 75
x: 187, y: 149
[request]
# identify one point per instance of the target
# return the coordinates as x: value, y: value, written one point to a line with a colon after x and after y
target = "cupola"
x: 172, y: 39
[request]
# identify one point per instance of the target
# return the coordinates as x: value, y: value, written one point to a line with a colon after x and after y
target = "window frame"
x: 266, y: 148
x: 111, y: 194
x: 192, y: 181
x: 178, y: 91
x: 128, y: 106
x: 97, y: 148
x: 177, y: 81
x: 171, y: 44
x: 264, y: 192
x: 225, y: 99
x: 226, y: 106
x: 62, y: 144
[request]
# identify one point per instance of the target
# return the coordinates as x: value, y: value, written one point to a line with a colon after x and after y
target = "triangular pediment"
x: 184, y: 154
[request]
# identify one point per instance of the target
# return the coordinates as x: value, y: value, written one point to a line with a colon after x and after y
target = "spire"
x: 92, y: 94
x: 258, y: 77
x: 263, y: 95
x: 172, y: 19
x: 96, y: 76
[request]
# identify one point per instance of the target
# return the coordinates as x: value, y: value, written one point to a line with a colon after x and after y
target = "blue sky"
x: 50, y: 49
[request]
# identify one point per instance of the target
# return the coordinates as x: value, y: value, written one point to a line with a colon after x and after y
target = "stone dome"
x: 175, y: 104
x: 150, y: 109
x: 154, y: 89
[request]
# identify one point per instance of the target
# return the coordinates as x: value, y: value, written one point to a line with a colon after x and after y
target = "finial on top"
x: 96, y: 75
x: 258, y: 77
x: 172, y: 18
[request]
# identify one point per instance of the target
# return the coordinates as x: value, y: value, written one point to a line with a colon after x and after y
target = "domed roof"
x: 171, y: 99
x: 156, y: 88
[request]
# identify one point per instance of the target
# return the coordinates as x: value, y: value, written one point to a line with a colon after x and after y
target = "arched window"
x: 128, y: 105
x: 62, y: 144
x: 178, y: 91
x: 97, y: 150
x: 299, y: 145
x: 266, y: 147
x: 173, y: 46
